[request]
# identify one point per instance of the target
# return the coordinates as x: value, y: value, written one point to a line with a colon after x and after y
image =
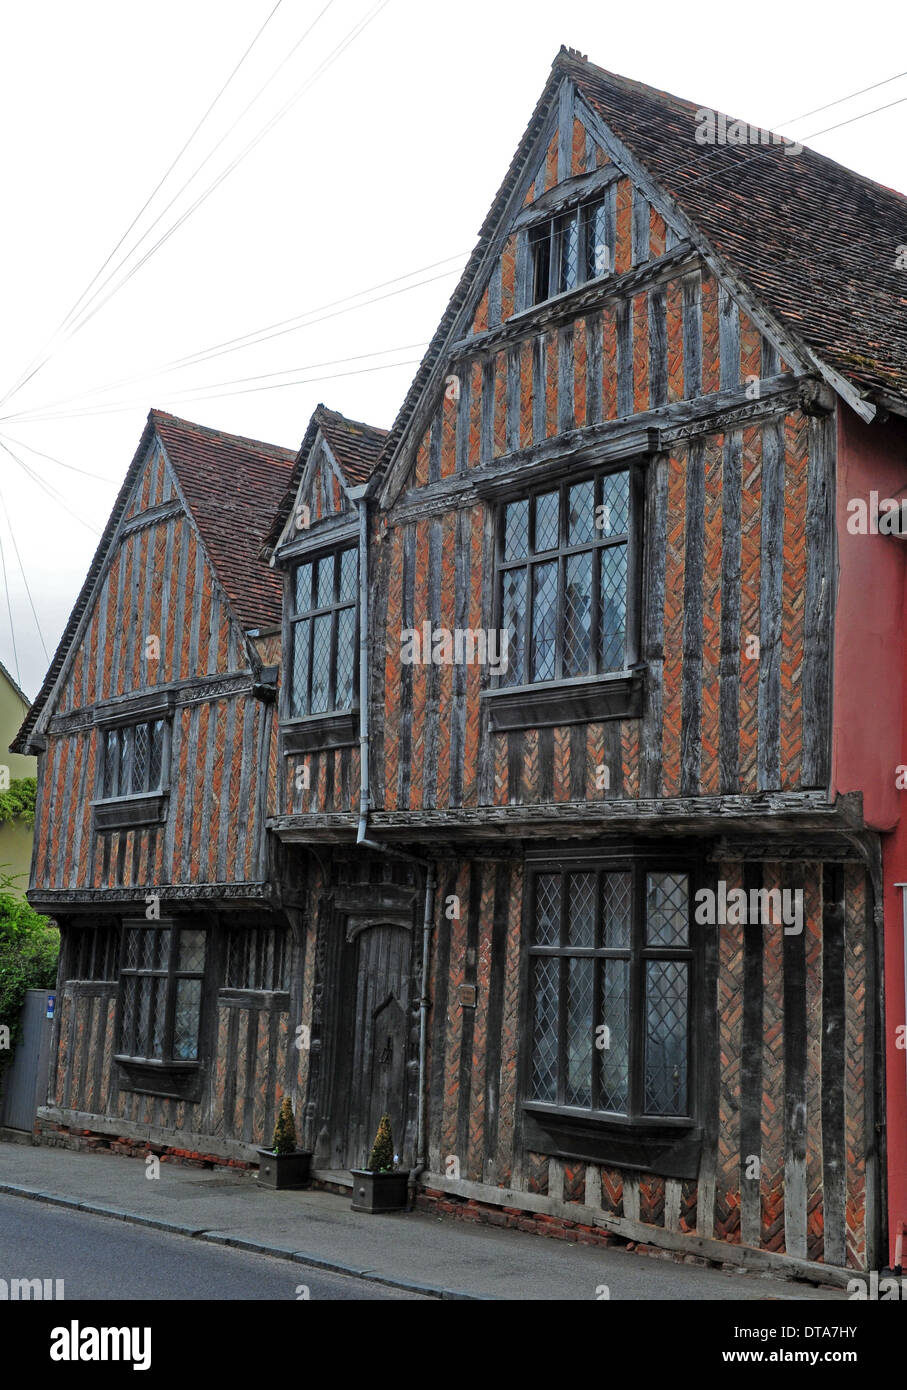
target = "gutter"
x: 360, y: 497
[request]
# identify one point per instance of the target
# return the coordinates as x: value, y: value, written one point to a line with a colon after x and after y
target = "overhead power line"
x: 251, y: 339
x: 87, y: 312
x: 33, y: 369
x: 31, y: 601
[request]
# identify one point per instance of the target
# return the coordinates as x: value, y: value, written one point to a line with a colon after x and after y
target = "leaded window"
x: 161, y: 979
x: 257, y: 958
x: 323, y: 625
x: 563, y: 579
x: 93, y: 952
x: 134, y: 759
x: 611, y: 974
x: 569, y: 249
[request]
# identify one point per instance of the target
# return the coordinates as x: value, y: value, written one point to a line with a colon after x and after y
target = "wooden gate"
x: 377, y: 1072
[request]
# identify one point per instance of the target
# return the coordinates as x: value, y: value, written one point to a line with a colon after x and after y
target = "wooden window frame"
x: 667, y: 1144
x: 545, y: 249
x: 93, y: 952
x: 301, y: 715
x: 167, y: 1063
x: 632, y: 538
x: 257, y: 955
x: 125, y: 810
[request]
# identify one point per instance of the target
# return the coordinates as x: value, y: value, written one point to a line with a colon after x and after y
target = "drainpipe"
x: 362, y: 839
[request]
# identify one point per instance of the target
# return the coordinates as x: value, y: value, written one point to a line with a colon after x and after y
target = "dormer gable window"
x: 569, y: 249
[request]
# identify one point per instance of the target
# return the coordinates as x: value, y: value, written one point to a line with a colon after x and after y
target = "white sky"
x: 386, y: 165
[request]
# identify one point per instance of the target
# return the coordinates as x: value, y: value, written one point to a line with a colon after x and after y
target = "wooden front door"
x: 379, y: 1038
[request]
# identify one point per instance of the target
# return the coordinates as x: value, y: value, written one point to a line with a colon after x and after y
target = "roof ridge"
x: 165, y: 415
x: 571, y: 60
x: 322, y: 409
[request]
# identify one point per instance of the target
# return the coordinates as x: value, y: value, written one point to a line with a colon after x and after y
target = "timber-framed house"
x: 509, y: 770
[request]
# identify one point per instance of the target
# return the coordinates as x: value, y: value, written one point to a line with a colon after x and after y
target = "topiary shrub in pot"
x: 283, y: 1165
x: 379, y: 1186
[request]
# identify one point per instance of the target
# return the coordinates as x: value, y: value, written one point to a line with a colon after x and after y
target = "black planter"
x: 377, y: 1192
x: 284, y: 1170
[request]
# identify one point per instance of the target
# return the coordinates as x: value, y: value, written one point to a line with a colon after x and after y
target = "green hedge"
x: 29, y: 947
x: 18, y: 801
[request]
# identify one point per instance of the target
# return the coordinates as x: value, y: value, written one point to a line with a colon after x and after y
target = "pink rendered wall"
x: 870, y: 724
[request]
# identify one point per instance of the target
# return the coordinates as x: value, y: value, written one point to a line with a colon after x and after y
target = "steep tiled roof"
x: 814, y: 242
x: 233, y: 487
x: 356, y: 446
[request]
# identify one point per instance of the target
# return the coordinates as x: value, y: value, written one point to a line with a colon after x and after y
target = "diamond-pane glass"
x: 162, y: 949
x: 185, y: 1019
x: 158, y: 1016
x: 548, y: 910
x: 516, y: 530
x: 544, y: 1048
x: 598, y: 253
x: 140, y: 758
x: 324, y: 582
x: 321, y: 664
x: 143, y: 1032
x: 544, y: 622
x: 349, y: 575
x: 616, y: 908
x: 132, y: 948
x: 615, y: 1056
x: 578, y: 615
x: 666, y: 1037
x: 580, y: 1032
x: 127, y: 1015
x: 346, y: 636
x: 615, y: 504
x: 304, y: 588
x: 301, y: 632
x: 547, y: 514
x: 147, y: 943
x: 155, y: 754
x: 581, y: 910
x: 568, y: 236
x: 613, y: 607
x: 667, y: 910
x: 192, y: 950
x: 513, y: 622
x: 111, y: 750
x: 581, y: 513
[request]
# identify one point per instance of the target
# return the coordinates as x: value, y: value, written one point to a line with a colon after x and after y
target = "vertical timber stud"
x: 658, y: 347
x: 751, y: 1072
x: 834, y: 1147
x: 795, y: 1117
x: 729, y: 668
x: 691, y: 723
x: 728, y: 340
x: 692, y: 336
x: 564, y: 131
x: 709, y: 1078
x: 655, y: 559
x: 771, y: 600
x: 624, y: 320
x: 817, y: 611
x: 408, y: 622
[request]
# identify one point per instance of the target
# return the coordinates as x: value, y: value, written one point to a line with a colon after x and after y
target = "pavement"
x: 414, y: 1252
